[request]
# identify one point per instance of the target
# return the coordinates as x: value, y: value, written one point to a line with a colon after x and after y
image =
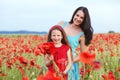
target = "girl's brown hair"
x: 57, y: 27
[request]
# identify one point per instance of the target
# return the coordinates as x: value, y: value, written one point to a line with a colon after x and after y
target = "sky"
x: 40, y: 15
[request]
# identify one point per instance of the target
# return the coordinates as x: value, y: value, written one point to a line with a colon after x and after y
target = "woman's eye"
x: 77, y: 15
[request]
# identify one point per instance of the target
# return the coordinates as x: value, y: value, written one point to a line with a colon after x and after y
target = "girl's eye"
x: 53, y: 35
x: 58, y: 35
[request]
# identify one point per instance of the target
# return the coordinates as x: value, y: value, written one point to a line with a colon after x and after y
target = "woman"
x: 79, y: 32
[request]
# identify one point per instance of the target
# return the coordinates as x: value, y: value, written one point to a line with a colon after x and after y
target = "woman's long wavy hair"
x: 86, y: 24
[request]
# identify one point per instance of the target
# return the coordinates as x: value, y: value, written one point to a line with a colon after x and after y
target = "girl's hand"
x: 64, y: 72
x: 48, y: 59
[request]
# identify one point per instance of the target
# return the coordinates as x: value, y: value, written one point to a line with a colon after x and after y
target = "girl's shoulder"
x: 66, y: 46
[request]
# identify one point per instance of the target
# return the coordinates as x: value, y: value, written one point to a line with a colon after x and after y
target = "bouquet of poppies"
x: 47, y: 48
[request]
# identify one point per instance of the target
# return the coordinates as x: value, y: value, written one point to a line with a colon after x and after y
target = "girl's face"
x: 78, y: 18
x: 56, y: 36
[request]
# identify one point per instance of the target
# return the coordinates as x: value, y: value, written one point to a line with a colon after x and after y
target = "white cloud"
x: 30, y: 2
x: 26, y: 14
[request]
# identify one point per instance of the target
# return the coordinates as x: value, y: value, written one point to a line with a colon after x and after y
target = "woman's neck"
x: 74, y: 26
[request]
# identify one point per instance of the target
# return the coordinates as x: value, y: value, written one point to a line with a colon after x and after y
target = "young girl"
x: 62, y: 56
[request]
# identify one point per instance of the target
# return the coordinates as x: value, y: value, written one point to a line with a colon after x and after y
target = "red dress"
x: 60, y: 58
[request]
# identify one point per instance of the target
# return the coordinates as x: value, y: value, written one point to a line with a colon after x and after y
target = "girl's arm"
x: 69, y: 55
x: 48, y: 59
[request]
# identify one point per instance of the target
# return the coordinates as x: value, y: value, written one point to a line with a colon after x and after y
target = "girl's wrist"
x: 64, y: 72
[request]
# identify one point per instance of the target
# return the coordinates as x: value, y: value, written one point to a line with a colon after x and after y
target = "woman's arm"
x: 69, y: 55
x: 83, y: 48
x: 60, y: 23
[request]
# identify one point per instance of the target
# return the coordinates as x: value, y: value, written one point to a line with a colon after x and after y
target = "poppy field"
x: 21, y: 58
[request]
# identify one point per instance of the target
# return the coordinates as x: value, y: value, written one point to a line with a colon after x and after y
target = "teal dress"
x: 73, y: 73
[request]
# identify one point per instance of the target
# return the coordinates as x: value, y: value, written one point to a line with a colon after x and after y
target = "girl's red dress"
x: 60, y: 58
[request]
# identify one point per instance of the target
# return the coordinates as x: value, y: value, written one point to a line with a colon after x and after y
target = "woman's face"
x: 56, y: 36
x: 78, y: 18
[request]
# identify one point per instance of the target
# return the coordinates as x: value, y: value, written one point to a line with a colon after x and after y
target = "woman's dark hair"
x: 86, y: 24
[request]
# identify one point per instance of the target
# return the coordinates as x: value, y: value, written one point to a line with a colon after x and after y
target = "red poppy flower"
x: 82, y: 73
x: 32, y: 62
x: 21, y: 70
x: 23, y: 60
x: 101, y: 49
x: 49, y: 76
x: 37, y: 52
x: 91, y: 48
x: 25, y: 78
x: 47, y: 48
x: 87, y: 58
x: 0, y: 63
x: 118, y: 78
x: 119, y: 69
x: 37, y: 66
x: 39, y: 49
x: 97, y: 65
x: 105, y: 77
x: 40, y: 77
x: 111, y: 75
x: 9, y: 64
x: 3, y: 74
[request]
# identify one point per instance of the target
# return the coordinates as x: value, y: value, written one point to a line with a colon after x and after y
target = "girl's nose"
x: 56, y: 37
